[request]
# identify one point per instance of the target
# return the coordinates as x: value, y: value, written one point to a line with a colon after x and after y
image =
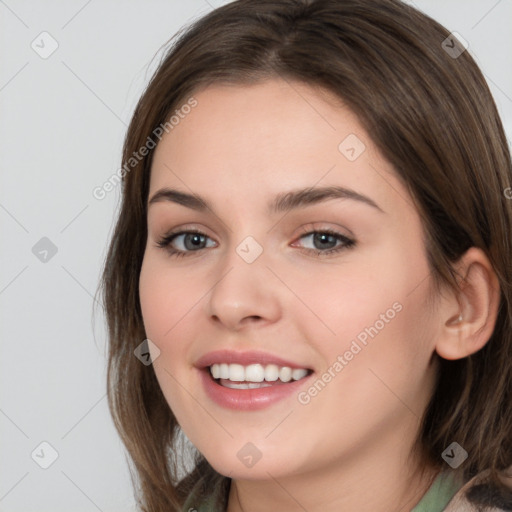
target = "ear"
x: 468, y: 318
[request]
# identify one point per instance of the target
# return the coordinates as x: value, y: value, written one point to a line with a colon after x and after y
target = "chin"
x: 249, y: 463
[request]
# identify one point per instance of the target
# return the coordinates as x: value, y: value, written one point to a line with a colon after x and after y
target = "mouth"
x: 255, y: 376
x: 250, y: 380
x: 254, y: 386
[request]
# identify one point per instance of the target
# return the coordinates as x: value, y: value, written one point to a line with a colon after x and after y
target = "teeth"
x: 299, y: 373
x: 224, y: 371
x: 236, y: 372
x: 271, y: 372
x: 285, y: 374
x: 255, y: 373
x: 246, y: 385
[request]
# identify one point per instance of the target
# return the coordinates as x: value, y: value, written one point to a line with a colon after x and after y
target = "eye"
x: 327, y: 241
x: 186, y: 241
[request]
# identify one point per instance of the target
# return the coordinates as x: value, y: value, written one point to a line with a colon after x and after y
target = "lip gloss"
x: 248, y: 399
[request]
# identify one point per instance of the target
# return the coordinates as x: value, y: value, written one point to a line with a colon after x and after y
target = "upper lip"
x: 244, y: 358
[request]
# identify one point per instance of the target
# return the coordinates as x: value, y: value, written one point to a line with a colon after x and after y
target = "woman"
x: 313, y: 250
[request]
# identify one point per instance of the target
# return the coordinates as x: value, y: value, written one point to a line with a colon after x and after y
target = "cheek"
x: 378, y: 304
x: 164, y: 305
x: 166, y: 298
x: 170, y: 300
x: 337, y: 305
x: 153, y: 300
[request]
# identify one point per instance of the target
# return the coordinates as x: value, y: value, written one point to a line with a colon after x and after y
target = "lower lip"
x: 248, y: 399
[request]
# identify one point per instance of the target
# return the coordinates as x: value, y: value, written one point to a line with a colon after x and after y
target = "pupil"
x: 324, y: 237
x: 195, y: 239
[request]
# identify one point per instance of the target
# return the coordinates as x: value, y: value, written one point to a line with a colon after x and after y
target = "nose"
x: 244, y: 294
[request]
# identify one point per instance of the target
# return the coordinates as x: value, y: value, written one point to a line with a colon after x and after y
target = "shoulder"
x: 478, y: 495
x: 209, y: 494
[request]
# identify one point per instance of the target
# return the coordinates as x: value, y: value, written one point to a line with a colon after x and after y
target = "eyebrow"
x: 283, y: 202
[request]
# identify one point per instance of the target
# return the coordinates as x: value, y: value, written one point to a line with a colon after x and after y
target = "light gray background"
x: 62, y: 124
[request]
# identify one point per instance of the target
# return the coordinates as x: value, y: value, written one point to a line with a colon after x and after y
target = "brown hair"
x: 430, y: 114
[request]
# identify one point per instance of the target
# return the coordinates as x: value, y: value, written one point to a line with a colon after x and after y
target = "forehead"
x: 261, y: 139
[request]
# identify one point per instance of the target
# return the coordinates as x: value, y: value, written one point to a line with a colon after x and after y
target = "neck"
x: 379, y: 485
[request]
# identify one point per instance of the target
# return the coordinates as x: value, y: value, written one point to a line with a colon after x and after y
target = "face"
x: 332, y: 283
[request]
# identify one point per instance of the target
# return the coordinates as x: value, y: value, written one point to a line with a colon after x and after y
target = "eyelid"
x: 322, y: 227
x: 186, y: 228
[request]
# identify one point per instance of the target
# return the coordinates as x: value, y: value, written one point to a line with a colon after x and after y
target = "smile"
x: 253, y: 376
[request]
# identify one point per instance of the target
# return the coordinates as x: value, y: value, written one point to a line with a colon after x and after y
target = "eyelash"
x: 164, y: 243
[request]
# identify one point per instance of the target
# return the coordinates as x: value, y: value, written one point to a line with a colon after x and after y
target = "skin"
x: 238, y: 148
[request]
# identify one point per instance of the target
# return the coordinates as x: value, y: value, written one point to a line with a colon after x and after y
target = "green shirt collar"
x: 439, y: 494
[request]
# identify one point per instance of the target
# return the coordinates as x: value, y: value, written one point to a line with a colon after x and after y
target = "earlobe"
x: 470, y: 317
